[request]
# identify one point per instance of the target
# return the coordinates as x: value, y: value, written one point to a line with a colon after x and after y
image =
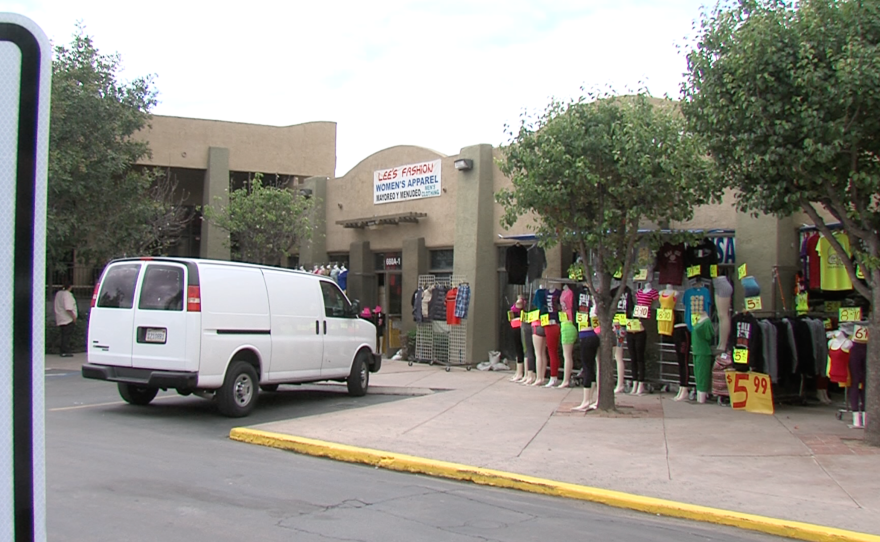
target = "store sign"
x: 402, y: 183
x: 392, y: 262
x: 751, y: 392
x: 25, y: 80
x: 726, y: 247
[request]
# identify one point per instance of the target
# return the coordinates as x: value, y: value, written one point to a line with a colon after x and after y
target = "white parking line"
x: 80, y: 407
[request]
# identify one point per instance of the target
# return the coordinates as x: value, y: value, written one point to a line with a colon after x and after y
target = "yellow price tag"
x: 620, y: 318
x: 693, y: 271
x: 850, y: 314
x: 695, y: 319
x: 802, y: 303
x: 740, y: 355
x: 832, y: 306
x: 753, y: 303
x: 741, y: 271
x: 634, y: 325
x: 664, y: 315
x: 594, y: 320
x: 545, y: 319
x: 641, y: 275
x: 751, y: 392
x: 828, y: 324
x: 860, y: 334
x: 582, y: 326
x: 582, y: 317
x: 532, y: 316
x: 563, y: 317
x: 713, y: 271
x: 510, y: 316
x: 640, y: 311
x: 619, y: 274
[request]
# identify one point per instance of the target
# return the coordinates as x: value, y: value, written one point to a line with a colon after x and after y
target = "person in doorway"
x: 65, y: 316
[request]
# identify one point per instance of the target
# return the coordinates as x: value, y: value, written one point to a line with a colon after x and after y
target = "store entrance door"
x: 390, y: 295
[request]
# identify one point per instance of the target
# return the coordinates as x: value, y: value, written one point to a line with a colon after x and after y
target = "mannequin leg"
x: 530, y: 355
x: 682, y: 342
x: 589, y: 349
x: 540, y: 356
x: 516, y: 334
x: 637, y: 342
x: 568, y: 356
x: 857, y: 371
x: 553, y: 334
x: 621, y: 370
x: 722, y: 305
x: 703, y: 377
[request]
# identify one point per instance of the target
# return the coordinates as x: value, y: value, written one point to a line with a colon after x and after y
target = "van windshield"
x: 117, y: 287
x: 162, y: 289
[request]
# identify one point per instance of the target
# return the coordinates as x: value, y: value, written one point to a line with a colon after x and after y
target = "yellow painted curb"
x: 456, y: 471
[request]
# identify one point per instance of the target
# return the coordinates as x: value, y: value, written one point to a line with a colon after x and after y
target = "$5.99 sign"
x: 750, y: 391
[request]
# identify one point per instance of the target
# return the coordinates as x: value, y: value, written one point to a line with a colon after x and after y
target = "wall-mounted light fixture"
x: 464, y: 164
x: 305, y: 192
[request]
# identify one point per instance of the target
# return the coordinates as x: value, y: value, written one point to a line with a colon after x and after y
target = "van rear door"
x: 160, y: 319
x: 111, y: 320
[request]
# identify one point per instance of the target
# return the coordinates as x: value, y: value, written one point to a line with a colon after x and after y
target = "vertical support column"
x: 215, y: 241
x: 415, y: 262
x: 314, y: 251
x: 763, y: 243
x: 475, y: 252
x: 361, y: 274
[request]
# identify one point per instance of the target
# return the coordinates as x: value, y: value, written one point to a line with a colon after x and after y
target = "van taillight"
x: 193, y: 299
x: 95, y: 295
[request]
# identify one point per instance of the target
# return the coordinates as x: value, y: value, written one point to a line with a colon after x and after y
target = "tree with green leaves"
x: 592, y: 171
x: 95, y: 194
x: 265, y: 223
x: 786, y: 97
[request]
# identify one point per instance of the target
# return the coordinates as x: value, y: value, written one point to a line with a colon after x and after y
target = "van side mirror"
x: 355, y: 308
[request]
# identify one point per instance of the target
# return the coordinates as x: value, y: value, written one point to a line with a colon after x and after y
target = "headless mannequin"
x: 552, y: 335
x: 517, y: 336
x: 589, y: 348
x: 636, y: 340
x: 702, y: 361
x: 569, y: 335
x: 540, y: 341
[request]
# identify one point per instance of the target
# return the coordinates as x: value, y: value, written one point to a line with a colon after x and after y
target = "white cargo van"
x: 223, y: 330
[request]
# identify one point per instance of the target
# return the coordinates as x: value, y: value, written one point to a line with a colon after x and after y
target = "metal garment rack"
x: 437, y: 341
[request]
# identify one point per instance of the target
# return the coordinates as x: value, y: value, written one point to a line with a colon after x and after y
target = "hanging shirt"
x: 746, y: 333
x: 814, y: 264
x: 516, y: 263
x: 705, y: 255
x: 665, y: 327
x: 834, y: 275
x: 566, y: 303
x: 417, y: 305
x: 537, y: 262
x: 696, y: 300
x: 342, y: 279
x: 426, y: 300
x: 670, y: 263
x: 451, y: 319
x: 462, y: 300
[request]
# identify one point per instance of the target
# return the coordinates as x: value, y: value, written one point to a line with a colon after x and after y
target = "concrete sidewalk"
x: 801, y: 464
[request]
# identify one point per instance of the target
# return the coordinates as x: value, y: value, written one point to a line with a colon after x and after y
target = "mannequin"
x: 589, y: 340
x: 636, y: 338
x: 624, y: 306
x: 702, y: 339
x: 723, y: 294
x: 539, y: 302
x: 530, y: 372
x: 516, y: 335
x: 858, y: 357
x: 553, y: 334
x: 568, y: 333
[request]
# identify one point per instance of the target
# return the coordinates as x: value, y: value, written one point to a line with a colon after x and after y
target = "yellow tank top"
x: 665, y: 327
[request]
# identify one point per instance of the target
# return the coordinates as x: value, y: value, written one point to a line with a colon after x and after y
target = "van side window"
x: 162, y: 289
x: 335, y: 303
x: 117, y: 286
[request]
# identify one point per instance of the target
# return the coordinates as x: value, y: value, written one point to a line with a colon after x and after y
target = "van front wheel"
x: 359, y: 379
x: 238, y: 394
x: 137, y: 395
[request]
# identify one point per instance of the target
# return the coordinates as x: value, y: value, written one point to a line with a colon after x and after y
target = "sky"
x: 437, y: 74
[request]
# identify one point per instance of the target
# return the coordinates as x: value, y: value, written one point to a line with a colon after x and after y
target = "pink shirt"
x: 566, y: 300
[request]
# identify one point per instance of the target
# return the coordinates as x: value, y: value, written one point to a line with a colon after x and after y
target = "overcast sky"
x: 438, y: 74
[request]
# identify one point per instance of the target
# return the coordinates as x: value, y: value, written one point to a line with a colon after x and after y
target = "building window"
x: 442, y: 263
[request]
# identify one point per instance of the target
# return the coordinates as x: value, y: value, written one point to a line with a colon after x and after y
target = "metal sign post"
x: 25, y: 72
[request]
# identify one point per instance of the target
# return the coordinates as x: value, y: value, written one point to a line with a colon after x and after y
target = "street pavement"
x: 801, y: 464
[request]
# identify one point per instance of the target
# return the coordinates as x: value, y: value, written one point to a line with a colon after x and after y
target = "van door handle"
x: 317, y: 327
x: 325, y: 327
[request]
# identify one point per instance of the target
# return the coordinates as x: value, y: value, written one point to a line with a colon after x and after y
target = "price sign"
x: 582, y: 326
x: 510, y: 316
x: 664, y: 315
x: 740, y: 355
x: 832, y: 306
x: 860, y: 334
x: 640, y: 311
x: 693, y: 271
x: 634, y: 325
x: 532, y: 316
x: 582, y: 317
x: 545, y: 319
x: 619, y: 274
x: 850, y: 314
x: 753, y: 303
x: 620, y: 318
x: 641, y: 275
x: 828, y: 324
x: 751, y: 392
x: 713, y: 271
x: 695, y: 319
x: 802, y: 303
x: 741, y: 271
x: 595, y: 321
x: 563, y: 317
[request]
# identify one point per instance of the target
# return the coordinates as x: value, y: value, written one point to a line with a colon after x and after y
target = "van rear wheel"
x: 137, y: 395
x: 238, y: 394
x: 359, y: 379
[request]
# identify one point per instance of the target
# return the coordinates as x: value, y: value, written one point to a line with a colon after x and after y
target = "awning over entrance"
x: 381, y: 220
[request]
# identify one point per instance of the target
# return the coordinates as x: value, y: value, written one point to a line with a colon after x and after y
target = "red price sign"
x: 751, y: 392
x: 640, y: 311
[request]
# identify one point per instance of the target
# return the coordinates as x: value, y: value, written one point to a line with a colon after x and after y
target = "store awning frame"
x: 382, y: 220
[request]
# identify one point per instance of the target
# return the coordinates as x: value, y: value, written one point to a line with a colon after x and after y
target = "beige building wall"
x: 303, y: 149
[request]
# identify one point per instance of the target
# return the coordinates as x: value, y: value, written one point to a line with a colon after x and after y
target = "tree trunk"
x: 607, y: 364
x: 872, y: 383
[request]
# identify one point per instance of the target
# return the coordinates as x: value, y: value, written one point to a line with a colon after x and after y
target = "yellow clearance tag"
x: 753, y: 303
x: 664, y: 315
x: 563, y: 317
x: 582, y: 326
x: 850, y: 314
x: 740, y: 355
x: 802, y: 303
x: 534, y: 315
x: 545, y: 319
x: 693, y: 271
x: 860, y: 334
x: 640, y: 311
x: 832, y: 306
x: 634, y: 325
x: 594, y: 320
x: 751, y: 392
x: 510, y: 316
x: 582, y: 317
x: 641, y: 275
x: 741, y: 271
x: 620, y: 318
x: 713, y: 271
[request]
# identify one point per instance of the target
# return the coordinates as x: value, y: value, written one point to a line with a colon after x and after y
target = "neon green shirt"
x: 834, y: 277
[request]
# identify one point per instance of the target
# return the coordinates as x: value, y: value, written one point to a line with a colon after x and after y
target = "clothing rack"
x: 439, y: 342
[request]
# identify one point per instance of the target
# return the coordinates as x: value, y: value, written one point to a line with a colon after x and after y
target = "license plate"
x: 155, y: 336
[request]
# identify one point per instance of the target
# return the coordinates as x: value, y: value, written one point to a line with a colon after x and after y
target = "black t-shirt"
x: 746, y: 333
x: 516, y: 264
x: 537, y: 262
x: 705, y: 255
